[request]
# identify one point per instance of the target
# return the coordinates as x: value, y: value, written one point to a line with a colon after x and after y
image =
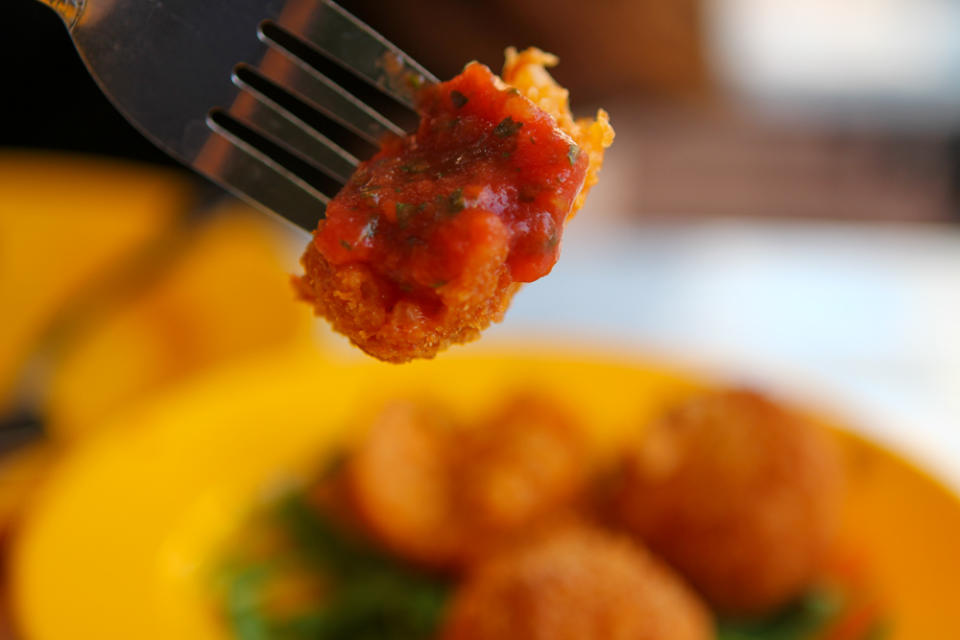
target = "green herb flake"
x: 346, y: 245
x: 370, y: 192
x: 458, y: 99
x: 438, y: 284
x: 418, y: 167
x: 507, y: 127
x: 455, y: 202
x: 513, y: 91
x: 573, y: 153
x: 404, y: 211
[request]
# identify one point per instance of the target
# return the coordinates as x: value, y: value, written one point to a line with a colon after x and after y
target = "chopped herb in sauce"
x: 404, y: 211
x: 458, y: 99
x: 572, y: 153
x: 346, y: 245
x: 370, y: 192
x: 513, y: 91
x: 455, y: 201
x: 507, y: 127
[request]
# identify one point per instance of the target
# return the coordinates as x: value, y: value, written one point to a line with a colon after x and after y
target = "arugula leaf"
x: 372, y: 597
x: 800, y: 621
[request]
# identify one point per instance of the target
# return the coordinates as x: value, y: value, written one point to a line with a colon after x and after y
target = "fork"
x: 241, y: 89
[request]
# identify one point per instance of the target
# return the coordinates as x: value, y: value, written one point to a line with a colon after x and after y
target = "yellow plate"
x: 120, y: 542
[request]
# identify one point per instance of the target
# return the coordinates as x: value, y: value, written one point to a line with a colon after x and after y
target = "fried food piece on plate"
x: 441, y: 495
x: 429, y: 240
x: 740, y: 494
x: 576, y: 583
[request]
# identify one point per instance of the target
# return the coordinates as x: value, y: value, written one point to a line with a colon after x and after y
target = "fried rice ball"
x: 576, y: 583
x: 441, y: 495
x: 738, y: 493
x: 429, y: 240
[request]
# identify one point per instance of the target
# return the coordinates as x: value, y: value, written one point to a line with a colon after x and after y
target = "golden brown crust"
x: 396, y: 482
x: 442, y: 495
x: 362, y: 306
x: 357, y: 304
x: 738, y: 493
x: 576, y: 583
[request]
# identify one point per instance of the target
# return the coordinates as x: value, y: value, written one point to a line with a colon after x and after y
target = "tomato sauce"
x: 448, y: 220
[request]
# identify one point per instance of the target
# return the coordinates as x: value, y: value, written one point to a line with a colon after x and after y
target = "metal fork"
x: 233, y: 88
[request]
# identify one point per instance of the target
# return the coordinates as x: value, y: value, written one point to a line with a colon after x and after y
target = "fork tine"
x: 274, y: 121
x: 358, y: 48
x: 256, y: 178
x: 322, y: 93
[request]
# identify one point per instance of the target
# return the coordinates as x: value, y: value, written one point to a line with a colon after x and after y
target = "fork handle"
x: 69, y: 10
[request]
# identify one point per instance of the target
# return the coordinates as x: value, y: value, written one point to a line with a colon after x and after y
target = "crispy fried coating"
x: 397, y: 484
x: 738, y: 493
x: 355, y: 302
x: 397, y: 308
x: 576, y: 583
x: 442, y: 495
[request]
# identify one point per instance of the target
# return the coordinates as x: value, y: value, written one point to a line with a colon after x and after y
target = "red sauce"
x: 478, y: 195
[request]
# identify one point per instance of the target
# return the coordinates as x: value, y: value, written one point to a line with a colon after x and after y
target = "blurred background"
x: 766, y: 108
x: 781, y: 202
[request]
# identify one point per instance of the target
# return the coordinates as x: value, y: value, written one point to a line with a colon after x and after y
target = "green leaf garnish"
x: 572, y: 153
x: 371, y: 595
x: 802, y: 620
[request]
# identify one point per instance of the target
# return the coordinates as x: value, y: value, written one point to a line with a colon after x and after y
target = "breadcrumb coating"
x: 422, y: 250
x: 741, y: 495
x: 576, y: 583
